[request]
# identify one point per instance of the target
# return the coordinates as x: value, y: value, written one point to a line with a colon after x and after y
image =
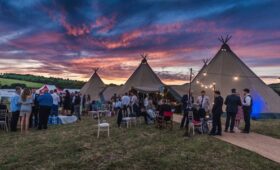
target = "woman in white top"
x: 146, y: 101
x: 25, y: 109
x: 151, y: 110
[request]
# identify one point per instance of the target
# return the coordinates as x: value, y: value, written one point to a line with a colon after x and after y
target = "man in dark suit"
x: 35, y: 110
x: 217, y: 111
x: 232, y: 102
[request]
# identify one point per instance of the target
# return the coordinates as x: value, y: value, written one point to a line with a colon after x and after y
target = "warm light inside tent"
x: 204, y: 74
x: 235, y: 78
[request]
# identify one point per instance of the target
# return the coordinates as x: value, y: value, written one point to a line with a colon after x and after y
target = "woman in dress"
x: 239, y: 116
x: 26, y: 102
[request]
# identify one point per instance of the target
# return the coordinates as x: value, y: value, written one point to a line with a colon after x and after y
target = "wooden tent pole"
x: 190, y: 89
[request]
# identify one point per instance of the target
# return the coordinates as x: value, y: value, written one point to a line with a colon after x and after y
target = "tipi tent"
x: 93, y: 87
x: 143, y: 79
x: 226, y: 71
x: 108, y: 92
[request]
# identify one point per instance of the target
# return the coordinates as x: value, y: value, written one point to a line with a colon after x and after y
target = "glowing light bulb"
x: 204, y: 74
x: 197, y: 82
x: 235, y: 78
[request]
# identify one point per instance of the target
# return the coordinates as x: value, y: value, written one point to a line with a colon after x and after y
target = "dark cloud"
x: 72, y: 36
x: 165, y: 75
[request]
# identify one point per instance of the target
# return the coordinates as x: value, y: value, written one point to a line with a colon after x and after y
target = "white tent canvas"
x: 109, y: 91
x: 143, y: 79
x: 180, y: 89
x: 226, y: 71
x: 93, y: 87
x: 47, y: 87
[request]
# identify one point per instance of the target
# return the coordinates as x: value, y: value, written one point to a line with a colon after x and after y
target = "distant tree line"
x: 59, y: 82
x: 12, y: 86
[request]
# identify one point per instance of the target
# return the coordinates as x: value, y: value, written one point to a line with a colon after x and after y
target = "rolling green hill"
x: 9, y: 82
x: 59, y: 82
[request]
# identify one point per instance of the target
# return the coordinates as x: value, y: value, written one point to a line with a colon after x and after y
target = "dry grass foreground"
x: 75, y: 146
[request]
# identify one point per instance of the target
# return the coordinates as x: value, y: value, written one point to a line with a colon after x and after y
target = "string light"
x: 213, y: 84
x: 228, y: 75
x: 209, y: 86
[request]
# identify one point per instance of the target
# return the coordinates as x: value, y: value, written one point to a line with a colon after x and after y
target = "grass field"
x: 4, y: 81
x: 267, y: 127
x: 75, y: 146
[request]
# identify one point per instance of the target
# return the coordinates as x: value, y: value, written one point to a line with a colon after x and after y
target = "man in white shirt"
x: 125, y: 103
x: 204, y: 104
x: 56, y: 100
x: 247, y: 104
x: 118, y: 104
x: 134, y: 99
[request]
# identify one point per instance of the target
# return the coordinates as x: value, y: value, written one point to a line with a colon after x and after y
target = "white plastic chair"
x: 127, y: 120
x: 93, y: 114
x: 102, y: 125
x: 4, y: 119
x: 134, y: 118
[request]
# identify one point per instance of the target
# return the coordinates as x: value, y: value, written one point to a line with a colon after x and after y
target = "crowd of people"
x: 131, y: 105
x: 236, y: 109
x: 151, y: 109
x: 33, y: 109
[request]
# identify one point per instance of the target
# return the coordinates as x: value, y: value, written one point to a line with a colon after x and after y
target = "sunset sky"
x: 67, y: 38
